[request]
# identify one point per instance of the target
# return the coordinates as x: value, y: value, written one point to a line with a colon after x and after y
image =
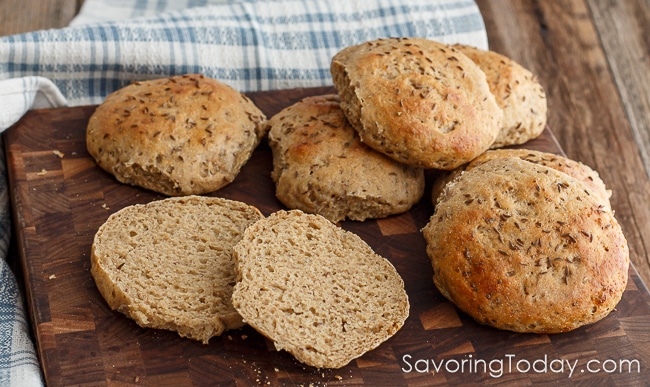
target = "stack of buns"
x: 519, y: 239
x: 419, y: 101
x: 525, y: 247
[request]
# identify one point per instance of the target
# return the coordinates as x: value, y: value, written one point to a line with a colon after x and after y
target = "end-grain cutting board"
x: 60, y: 198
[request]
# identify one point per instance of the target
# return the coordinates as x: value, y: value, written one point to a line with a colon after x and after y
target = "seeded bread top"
x: 517, y: 91
x: 523, y: 247
x: 420, y: 102
x: 321, y: 166
x: 178, y: 136
x: 575, y: 169
x: 589, y: 177
x: 317, y: 291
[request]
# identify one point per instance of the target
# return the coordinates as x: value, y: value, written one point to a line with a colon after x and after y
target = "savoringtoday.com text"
x: 509, y: 363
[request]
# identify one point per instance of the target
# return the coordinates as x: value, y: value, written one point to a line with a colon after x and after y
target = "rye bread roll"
x: 523, y: 247
x: 315, y: 290
x: 180, y: 135
x: 168, y: 264
x: 575, y: 169
x: 320, y: 166
x: 517, y: 91
x: 418, y: 101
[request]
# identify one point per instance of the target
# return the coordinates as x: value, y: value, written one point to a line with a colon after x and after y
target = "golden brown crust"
x: 178, y: 136
x: 517, y: 91
x: 419, y: 101
x: 573, y: 168
x: 522, y: 247
x: 589, y: 177
x: 321, y: 166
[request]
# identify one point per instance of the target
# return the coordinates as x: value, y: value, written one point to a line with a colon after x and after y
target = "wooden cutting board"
x: 60, y: 198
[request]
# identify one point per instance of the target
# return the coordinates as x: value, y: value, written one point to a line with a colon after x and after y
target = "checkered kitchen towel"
x: 252, y: 45
x: 249, y: 44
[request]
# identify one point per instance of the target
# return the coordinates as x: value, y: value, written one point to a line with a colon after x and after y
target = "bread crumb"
x: 244, y: 337
x: 104, y: 206
x: 43, y: 172
x: 58, y: 153
x: 53, y: 276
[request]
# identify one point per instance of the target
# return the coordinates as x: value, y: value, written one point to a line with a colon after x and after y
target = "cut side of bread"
x: 168, y: 264
x: 317, y: 291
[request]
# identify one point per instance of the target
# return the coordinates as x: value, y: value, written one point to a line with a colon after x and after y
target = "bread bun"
x: 517, y: 91
x: 523, y: 247
x: 177, y: 136
x: 585, y: 174
x: 320, y: 166
x: 168, y: 264
x: 418, y: 101
x: 315, y: 290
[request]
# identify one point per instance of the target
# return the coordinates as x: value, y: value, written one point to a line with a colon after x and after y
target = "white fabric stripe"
x: 20, y: 94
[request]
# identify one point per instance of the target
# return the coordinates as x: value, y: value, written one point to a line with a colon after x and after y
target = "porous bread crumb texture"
x: 168, y: 264
x: 177, y: 136
x: 320, y: 166
x: 523, y: 247
x: 517, y: 91
x: 315, y: 290
x: 418, y: 101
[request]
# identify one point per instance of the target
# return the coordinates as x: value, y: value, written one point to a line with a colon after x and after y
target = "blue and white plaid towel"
x: 252, y: 45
